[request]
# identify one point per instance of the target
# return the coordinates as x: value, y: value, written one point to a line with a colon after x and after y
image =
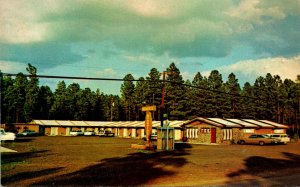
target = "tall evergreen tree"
x: 18, y: 97
x: 174, y: 93
x: 153, y: 92
x: 259, y: 93
x: 198, y: 96
x: 83, y: 105
x: 127, y: 92
x: 6, y: 87
x: 140, y: 96
x: 247, y: 106
x: 216, y: 99
x: 232, y: 103
x: 45, y: 100
x: 59, y: 108
x: 31, y: 104
x: 72, y: 97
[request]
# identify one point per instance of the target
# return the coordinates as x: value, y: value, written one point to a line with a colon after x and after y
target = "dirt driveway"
x: 94, y: 161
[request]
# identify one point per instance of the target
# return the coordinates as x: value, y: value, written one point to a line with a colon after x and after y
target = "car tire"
x: 242, y: 142
x: 261, y: 143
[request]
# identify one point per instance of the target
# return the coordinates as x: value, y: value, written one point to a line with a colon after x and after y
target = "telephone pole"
x: 162, y: 106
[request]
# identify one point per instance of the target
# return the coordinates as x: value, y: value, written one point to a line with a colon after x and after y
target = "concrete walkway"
x: 6, y: 150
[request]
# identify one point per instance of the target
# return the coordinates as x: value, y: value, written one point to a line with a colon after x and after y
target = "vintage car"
x: 259, y: 139
x: 76, y: 133
x: 89, y: 133
x: 7, y: 136
x: 28, y: 132
x: 284, y: 138
x: 106, y: 133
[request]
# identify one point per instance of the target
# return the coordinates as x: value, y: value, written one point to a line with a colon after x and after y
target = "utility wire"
x: 134, y: 80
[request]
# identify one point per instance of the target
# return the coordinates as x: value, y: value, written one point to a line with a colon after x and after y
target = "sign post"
x: 148, y: 121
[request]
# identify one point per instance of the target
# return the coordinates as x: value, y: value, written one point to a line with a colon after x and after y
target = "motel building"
x: 227, y: 131
x: 197, y: 130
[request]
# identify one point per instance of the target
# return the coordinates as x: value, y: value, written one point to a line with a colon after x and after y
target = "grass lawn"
x: 102, y: 161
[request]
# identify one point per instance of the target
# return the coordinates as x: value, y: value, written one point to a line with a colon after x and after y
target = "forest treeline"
x: 270, y: 97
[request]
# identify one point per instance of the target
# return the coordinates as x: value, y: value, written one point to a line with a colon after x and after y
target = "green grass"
x: 5, y: 165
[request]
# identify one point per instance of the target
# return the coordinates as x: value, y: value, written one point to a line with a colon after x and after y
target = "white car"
x: 89, y: 133
x: 7, y: 135
x: 76, y: 133
x: 284, y: 138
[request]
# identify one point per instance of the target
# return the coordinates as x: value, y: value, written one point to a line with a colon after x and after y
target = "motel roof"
x: 219, y: 122
x: 224, y: 122
x: 236, y: 123
x: 71, y: 123
x: 244, y: 124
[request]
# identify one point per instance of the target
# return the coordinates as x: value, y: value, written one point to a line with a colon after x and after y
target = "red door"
x: 213, y: 136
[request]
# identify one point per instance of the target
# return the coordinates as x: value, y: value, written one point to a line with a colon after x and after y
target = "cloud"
x: 182, y: 29
x: 12, y: 67
x: 106, y: 73
x: 286, y: 68
x: 142, y: 59
x: 42, y: 55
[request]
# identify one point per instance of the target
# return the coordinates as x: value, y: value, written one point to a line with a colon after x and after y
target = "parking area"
x: 100, y: 161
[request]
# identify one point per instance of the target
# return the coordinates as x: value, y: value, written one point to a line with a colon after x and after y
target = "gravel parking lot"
x: 90, y: 161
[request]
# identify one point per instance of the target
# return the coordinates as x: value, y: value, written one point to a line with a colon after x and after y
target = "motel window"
x: 248, y: 130
x: 278, y: 131
x: 191, y: 133
x: 205, y: 130
x: 227, y: 134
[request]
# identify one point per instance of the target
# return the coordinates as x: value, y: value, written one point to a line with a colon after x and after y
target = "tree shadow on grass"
x: 7, y: 158
x: 134, y: 169
x: 24, y: 139
x: 29, y: 175
x: 268, y: 169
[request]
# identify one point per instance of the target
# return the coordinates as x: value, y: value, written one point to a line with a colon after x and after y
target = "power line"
x: 134, y: 80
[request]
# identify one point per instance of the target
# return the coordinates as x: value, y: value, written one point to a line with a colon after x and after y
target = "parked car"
x: 4, y: 136
x: 106, y: 133
x: 284, y: 138
x: 260, y: 139
x: 28, y: 132
x: 89, y: 133
x: 76, y: 133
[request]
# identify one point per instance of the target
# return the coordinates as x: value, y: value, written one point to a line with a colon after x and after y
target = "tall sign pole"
x: 148, y: 122
x: 162, y: 106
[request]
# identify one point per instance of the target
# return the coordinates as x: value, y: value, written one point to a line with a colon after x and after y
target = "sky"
x: 112, y: 38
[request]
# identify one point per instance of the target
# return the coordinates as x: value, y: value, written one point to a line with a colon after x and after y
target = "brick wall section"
x: 129, y: 132
x: 61, y: 131
x: 47, y: 130
x: 121, y: 132
x: 264, y: 131
x: 202, y: 136
x: 236, y: 134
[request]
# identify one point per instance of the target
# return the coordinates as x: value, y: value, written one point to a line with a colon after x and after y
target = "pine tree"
x: 31, y: 104
x: 216, y: 99
x: 153, y: 91
x: 232, y: 102
x: 45, y: 100
x: 6, y: 87
x: 260, y: 102
x: 247, y: 102
x: 198, y: 97
x: 140, y: 97
x: 127, y: 92
x: 174, y: 93
x: 59, y: 108
x: 18, y: 96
